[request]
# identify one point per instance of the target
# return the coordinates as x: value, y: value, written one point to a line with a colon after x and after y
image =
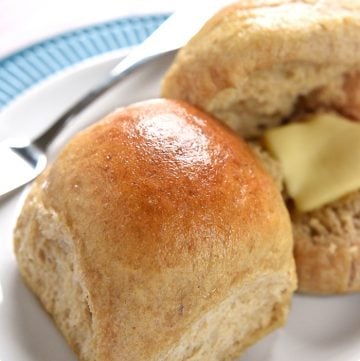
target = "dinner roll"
x: 157, y: 235
x: 258, y: 64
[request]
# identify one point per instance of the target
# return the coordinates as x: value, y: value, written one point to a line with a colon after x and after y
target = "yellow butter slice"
x: 320, y: 158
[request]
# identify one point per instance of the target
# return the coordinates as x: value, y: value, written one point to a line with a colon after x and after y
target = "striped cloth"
x: 23, y: 69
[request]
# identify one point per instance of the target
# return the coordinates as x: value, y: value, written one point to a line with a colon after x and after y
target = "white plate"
x: 319, y: 328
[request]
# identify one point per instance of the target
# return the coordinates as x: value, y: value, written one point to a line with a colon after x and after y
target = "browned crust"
x: 249, y: 36
x: 169, y: 212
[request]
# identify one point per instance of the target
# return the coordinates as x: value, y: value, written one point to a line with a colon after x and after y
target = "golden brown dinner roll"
x: 258, y: 64
x: 156, y: 235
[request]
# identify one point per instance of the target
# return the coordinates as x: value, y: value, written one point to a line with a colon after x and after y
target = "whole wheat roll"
x: 260, y: 63
x: 157, y: 235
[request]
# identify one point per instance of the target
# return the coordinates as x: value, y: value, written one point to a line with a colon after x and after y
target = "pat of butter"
x: 320, y: 158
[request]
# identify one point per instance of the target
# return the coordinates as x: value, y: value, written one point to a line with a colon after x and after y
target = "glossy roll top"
x: 171, y: 223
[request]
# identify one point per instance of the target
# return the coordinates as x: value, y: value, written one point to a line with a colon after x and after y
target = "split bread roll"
x: 259, y: 64
x: 157, y: 235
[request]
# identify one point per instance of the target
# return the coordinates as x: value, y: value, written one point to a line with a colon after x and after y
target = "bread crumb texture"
x: 328, y: 246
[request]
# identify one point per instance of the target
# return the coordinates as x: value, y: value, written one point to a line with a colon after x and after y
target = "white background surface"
x: 23, y: 22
